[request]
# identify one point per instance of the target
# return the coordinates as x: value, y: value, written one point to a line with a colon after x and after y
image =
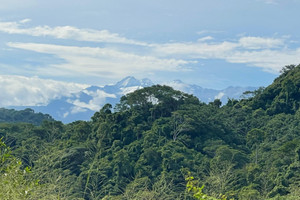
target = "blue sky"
x: 215, y: 43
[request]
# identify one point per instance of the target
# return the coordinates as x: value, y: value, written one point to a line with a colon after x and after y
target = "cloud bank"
x: 95, y: 104
x: 131, y: 57
x: 65, y: 32
x: 270, y: 54
x: 33, y: 91
x: 101, y: 62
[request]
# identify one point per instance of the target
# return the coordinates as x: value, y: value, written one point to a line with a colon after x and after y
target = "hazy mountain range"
x: 82, y: 105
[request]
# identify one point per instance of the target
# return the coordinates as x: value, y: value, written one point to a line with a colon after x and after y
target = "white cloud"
x: 205, y: 38
x: 220, y: 95
x: 209, y: 32
x: 271, y: 54
x: 81, y: 107
x: 33, y: 91
x: 269, y: 60
x: 97, y: 101
x: 66, y: 114
x: 66, y: 32
x: 197, y: 50
x: 260, y: 43
x: 24, y: 21
x: 101, y: 62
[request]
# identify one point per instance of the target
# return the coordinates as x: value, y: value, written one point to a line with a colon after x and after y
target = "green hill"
x: 27, y: 115
x: 283, y: 95
x: 246, y: 150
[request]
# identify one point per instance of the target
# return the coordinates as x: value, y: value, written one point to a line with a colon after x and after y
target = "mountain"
x: 282, y: 96
x: 208, y: 95
x: 162, y: 143
x: 82, y: 105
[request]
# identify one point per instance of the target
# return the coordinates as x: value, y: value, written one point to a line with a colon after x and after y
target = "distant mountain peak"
x: 131, y: 81
x: 128, y: 81
x: 82, y: 105
x: 93, y: 88
x: 146, y: 82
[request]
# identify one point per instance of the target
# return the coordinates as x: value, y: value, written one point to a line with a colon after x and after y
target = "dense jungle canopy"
x: 146, y: 146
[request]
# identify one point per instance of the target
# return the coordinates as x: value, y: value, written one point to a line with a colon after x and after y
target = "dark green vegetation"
x: 247, y: 149
x: 28, y: 115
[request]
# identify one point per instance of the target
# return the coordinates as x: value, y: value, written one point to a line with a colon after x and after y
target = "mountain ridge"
x: 82, y: 105
x: 158, y: 135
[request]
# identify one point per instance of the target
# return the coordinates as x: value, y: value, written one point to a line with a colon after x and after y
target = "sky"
x: 58, y: 47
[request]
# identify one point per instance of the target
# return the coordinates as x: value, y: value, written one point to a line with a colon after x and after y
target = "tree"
x: 192, y: 187
x: 287, y: 68
x: 217, y: 103
x: 254, y: 138
x: 221, y: 176
x: 15, y: 182
x: 180, y: 124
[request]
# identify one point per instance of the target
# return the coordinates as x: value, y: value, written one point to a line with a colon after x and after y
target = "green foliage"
x: 247, y: 149
x: 15, y: 182
x: 27, y: 115
x: 192, y: 187
x: 249, y: 193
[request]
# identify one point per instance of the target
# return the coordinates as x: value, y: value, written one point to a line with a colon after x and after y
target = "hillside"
x: 27, y: 115
x: 283, y: 96
x: 248, y: 149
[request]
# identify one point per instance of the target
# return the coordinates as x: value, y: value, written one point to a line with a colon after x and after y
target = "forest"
x: 159, y: 143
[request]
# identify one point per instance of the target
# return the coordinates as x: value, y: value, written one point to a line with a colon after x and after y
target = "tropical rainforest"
x: 159, y: 143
